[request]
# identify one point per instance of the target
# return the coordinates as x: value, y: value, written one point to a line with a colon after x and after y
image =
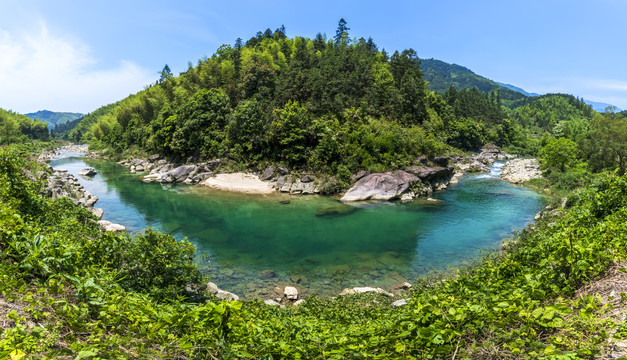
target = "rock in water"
x: 89, y: 171
x: 381, y: 186
x: 336, y: 210
x: 520, y: 170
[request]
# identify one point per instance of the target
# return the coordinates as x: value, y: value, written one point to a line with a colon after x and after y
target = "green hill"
x: 16, y: 127
x: 53, y: 118
x: 441, y: 76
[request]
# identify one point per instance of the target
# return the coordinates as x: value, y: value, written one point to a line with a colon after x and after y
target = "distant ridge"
x: 515, y: 88
x: 600, y: 107
x: 53, y: 118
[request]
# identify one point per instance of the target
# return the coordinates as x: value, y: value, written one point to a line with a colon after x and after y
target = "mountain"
x: 599, y: 106
x: 442, y: 75
x: 517, y: 89
x: 53, y: 118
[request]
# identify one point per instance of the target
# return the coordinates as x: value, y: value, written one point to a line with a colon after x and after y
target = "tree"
x: 559, y: 154
x: 607, y: 141
x: 341, y: 34
x: 166, y: 74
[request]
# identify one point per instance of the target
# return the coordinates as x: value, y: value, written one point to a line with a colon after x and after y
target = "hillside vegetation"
x: 327, y: 105
x: 19, y: 128
x: 53, y: 117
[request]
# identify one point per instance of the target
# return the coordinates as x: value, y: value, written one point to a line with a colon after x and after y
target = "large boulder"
x: 180, y: 173
x: 381, y: 186
x: 365, y: 289
x: 520, y: 170
x: 268, y: 173
x: 430, y: 174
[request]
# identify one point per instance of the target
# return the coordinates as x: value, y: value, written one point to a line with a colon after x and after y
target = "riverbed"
x: 250, y: 244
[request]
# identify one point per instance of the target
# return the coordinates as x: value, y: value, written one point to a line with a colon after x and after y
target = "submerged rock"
x: 336, y: 210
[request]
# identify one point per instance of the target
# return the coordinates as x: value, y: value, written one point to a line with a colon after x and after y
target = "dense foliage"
x: 74, y: 292
x: 19, y: 128
x: 329, y: 105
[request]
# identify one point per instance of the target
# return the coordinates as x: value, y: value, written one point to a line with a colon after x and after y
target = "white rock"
x: 271, y: 302
x: 98, y: 212
x: 299, y: 302
x: 212, y: 287
x: 359, y: 290
x: 228, y: 296
x: 290, y: 293
x: 400, y: 302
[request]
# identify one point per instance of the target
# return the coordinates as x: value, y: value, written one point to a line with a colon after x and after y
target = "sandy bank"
x: 239, y: 182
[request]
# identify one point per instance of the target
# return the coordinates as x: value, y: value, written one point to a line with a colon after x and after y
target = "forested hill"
x: 441, y: 76
x: 16, y: 128
x: 331, y: 106
x: 53, y: 118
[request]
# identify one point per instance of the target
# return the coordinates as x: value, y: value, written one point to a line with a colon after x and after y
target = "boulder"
x: 181, y: 172
x: 290, y: 293
x: 381, y: 186
x: 268, y: 173
x: 140, y: 168
x: 154, y: 157
x: 430, y: 174
x: 441, y: 161
x: 307, y: 178
x: 271, y: 302
x: 88, y: 171
x: 213, y: 164
x: 221, y: 294
x: 109, y: 226
x: 298, y: 302
x: 98, y: 212
x: 283, y: 170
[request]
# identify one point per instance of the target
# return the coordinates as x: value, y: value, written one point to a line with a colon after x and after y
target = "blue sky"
x: 68, y: 55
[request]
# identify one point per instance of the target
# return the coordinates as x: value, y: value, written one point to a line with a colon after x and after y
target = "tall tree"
x: 341, y: 34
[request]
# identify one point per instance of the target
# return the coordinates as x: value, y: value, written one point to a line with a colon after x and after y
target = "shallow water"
x: 255, y: 243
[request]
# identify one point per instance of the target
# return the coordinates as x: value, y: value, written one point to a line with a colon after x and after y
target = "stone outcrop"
x: 520, y: 170
x: 381, y: 186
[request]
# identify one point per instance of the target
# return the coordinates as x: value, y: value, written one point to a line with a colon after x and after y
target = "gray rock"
x: 307, y: 178
x: 441, y: 161
x: 430, y: 174
x: 298, y: 302
x: 381, y: 186
x: 360, y: 174
x: 154, y: 157
x: 283, y: 170
x: 139, y: 168
x: 181, y: 172
x: 271, y: 302
x: 268, y: 173
x: 88, y: 171
x: 109, y: 226
x: 213, y: 164
x: 221, y: 294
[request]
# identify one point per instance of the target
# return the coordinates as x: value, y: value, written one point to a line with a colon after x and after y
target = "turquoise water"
x: 254, y: 243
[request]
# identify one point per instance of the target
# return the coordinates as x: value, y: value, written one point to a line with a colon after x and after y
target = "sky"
x: 75, y: 56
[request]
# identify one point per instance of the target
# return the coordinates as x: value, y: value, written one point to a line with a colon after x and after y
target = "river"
x: 250, y: 244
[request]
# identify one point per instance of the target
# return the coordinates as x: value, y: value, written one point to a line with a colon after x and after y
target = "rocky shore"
x: 518, y: 171
x: 422, y: 178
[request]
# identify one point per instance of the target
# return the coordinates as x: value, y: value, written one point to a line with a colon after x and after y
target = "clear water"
x: 254, y: 243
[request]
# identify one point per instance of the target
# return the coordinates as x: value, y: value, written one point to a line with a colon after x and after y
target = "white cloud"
x: 43, y: 71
